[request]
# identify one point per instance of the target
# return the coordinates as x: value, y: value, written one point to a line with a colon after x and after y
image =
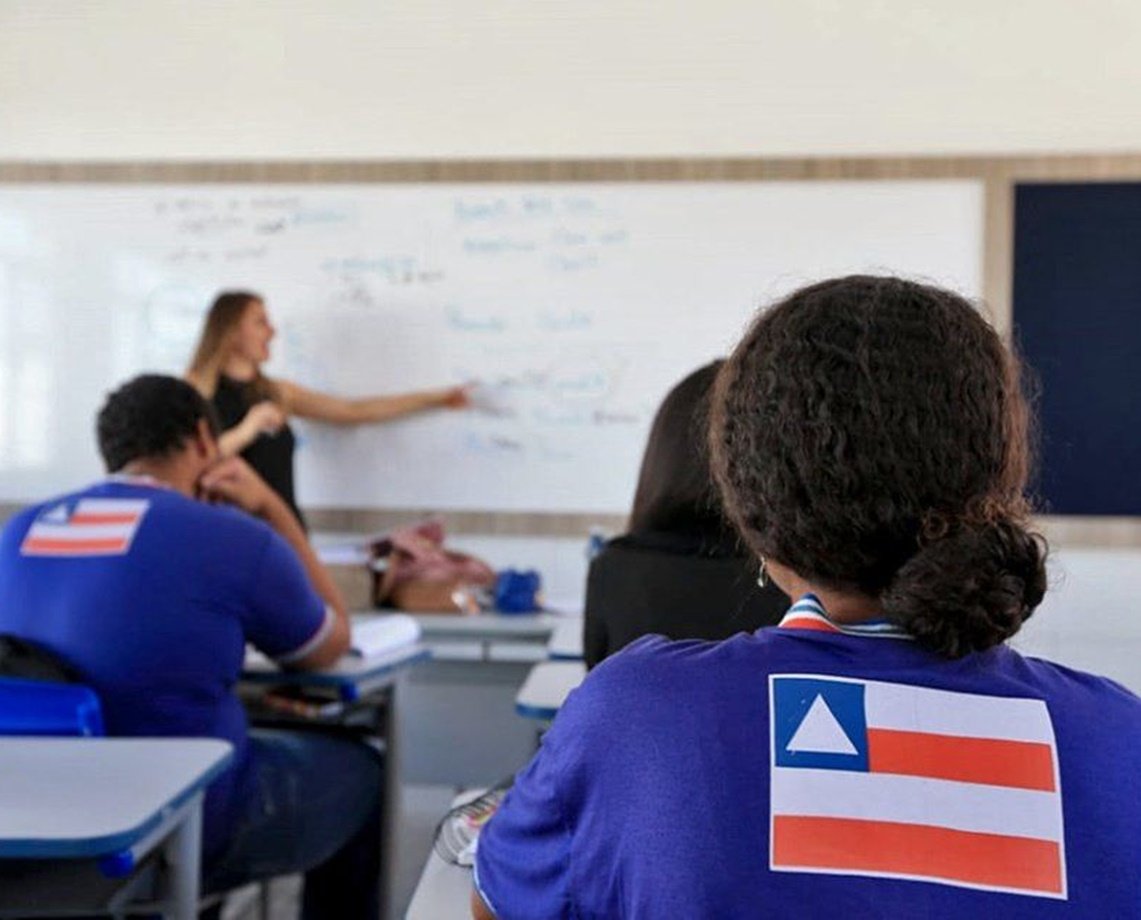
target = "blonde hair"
x: 214, y: 345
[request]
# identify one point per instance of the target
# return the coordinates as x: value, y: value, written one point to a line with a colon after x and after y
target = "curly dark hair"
x: 872, y: 435
x: 150, y: 416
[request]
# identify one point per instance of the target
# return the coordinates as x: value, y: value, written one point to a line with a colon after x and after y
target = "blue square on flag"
x: 819, y: 723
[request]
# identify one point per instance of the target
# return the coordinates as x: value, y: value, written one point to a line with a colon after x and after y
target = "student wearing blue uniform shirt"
x: 882, y: 752
x: 149, y: 588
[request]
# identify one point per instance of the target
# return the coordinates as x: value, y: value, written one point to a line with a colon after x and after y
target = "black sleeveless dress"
x: 270, y: 454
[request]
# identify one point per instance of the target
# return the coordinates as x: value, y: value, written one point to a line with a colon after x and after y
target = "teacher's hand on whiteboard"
x: 457, y: 397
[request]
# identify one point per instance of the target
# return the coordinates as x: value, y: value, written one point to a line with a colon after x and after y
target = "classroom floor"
x: 423, y: 807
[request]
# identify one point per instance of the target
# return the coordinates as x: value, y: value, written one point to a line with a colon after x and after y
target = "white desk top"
x: 566, y: 640
x: 87, y: 797
x: 547, y: 686
x: 351, y: 549
x: 489, y: 626
x: 350, y: 671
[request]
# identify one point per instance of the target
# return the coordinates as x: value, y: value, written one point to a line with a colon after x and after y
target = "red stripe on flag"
x: 85, y: 517
x: 74, y: 547
x: 995, y: 762
x: 846, y: 844
x: 808, y: 623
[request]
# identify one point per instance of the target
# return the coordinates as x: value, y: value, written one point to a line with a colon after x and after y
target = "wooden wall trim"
x: 456, y: 523
x: 462, y: 523
x: 1079, y: 167
x: 1114, y: 532
x: 998, y: 252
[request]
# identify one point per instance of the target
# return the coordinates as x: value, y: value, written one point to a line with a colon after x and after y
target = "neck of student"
x: 177, y: 473
x: 842, y: 606
x: 238, y: 367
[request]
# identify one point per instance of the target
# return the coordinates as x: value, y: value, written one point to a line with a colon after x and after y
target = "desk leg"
x: 390, y: 827
x: 183, y: 851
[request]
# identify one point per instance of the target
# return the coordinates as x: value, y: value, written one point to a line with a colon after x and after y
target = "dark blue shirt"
x: 152, y: 597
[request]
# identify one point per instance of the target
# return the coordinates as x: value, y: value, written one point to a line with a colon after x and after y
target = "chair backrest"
x: 41, y: 694
x: 36, y: 707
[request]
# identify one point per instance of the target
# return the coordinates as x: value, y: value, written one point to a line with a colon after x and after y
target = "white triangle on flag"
x: 820, y: 733
x: 56, y: 515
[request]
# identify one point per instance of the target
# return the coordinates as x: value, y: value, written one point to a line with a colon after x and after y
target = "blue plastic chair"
x: 36, y: 707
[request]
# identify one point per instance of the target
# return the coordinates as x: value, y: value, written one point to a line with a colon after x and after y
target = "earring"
x: 762, y: 575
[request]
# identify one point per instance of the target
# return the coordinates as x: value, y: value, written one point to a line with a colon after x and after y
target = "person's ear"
x: 205, y: 444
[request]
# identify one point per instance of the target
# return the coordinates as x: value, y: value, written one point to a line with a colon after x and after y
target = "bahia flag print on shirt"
x: 891, y: 780
x: 93, y: 527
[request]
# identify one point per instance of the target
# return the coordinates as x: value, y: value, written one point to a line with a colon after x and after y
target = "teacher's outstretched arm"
x: 337, y: 410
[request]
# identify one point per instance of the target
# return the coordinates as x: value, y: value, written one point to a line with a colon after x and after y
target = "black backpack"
x: 31, y: 661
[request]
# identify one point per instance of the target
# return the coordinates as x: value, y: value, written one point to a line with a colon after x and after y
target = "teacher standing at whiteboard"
x: 254, y: 409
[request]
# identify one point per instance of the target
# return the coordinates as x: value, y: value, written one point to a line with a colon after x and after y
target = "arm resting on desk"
x: 234, y: 481
x: 336, y: 643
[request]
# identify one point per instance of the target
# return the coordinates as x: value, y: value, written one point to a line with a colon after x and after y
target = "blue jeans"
x: 315, y: 807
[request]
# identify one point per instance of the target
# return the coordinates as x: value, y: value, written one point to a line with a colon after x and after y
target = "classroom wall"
x: 431, y: 79
x: 142, y: 79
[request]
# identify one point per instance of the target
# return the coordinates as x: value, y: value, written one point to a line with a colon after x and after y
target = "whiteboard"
x: 576, y: 306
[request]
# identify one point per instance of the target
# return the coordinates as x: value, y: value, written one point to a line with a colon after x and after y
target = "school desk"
x: 368, y: 687
x: 566, y: 641
x: 79, y: 818
x: 516, y: 637
x: 546, y: 687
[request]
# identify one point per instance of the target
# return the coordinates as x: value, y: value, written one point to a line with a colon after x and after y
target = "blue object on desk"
x: 36, y: 707
x: 517, y: 591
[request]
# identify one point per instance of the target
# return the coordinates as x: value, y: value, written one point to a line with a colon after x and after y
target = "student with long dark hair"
x: 681, y: 570
x: 882, y: 752
x: 254, y: 409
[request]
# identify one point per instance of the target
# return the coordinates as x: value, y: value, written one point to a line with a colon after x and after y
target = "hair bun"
x: 970, y: 589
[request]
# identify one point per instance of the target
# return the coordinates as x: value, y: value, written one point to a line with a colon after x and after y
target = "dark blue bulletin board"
x: 1077, y: 319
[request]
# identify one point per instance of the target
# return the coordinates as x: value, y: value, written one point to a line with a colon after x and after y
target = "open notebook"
x: 377, y: 633
x: 374, y: 634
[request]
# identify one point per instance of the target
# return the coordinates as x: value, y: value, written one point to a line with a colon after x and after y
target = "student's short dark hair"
x: 150, y: 416
x: 872, y: 435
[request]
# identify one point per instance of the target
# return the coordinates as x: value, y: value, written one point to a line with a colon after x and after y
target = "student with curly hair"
x: 882, y: 752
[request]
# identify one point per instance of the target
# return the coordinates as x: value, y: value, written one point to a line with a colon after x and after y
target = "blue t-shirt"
x: 812, y: 771
x: 152, y: 597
